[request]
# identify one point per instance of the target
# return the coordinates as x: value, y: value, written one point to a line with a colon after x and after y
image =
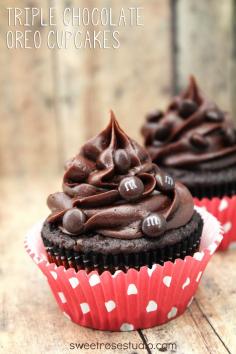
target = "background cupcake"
x: 195, y: 141
x: 118, y: 210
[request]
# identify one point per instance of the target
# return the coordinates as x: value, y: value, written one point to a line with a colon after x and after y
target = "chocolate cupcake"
x: 195, y: 142
x: 118, y: 210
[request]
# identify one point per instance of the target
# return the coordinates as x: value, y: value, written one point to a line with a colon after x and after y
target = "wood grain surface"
x: 31, y: 322
x: 205, y: 43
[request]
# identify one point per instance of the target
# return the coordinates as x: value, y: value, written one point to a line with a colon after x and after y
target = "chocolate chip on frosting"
x: 154, y: 116
x: 187, y: 107
x: 59, y: 201
x: 214, y: 116
x: 73, y: 220
x: 229, y: 136
x: 131, y: 188
x: 165, y: 182
x: 162, y: 132
x: 154, y: 225
x: 122, y: 160
x: 199, y: 141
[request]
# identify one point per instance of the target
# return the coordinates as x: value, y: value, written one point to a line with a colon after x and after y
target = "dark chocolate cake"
x: 118, y: 210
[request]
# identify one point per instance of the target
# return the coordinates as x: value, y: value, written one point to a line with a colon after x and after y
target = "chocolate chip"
x: 91, y: 151
x: 73, y: 220
x: 131, y: 188
x: 157, y: 143
x: 59, y: 201
x: 165, y: 183
x: 214, y: 116
x: 229, y: 136
x: 187, y: 108
x: 104, y: 160
x: 154, y: 116
x: 154, y: 225
x: 122, y: 160
x: 198, y: 141
x: 162, y: 132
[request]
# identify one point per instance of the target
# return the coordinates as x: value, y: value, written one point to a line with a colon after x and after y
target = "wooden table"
x: 30, y: 321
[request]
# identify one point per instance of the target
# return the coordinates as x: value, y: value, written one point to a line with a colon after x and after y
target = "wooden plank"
x: 28, y: 134
x: 204, y: 40
x: 217, y: 297
x: 132, y: 79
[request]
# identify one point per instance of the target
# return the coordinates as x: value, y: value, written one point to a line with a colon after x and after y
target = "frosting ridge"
x: 114, y: 184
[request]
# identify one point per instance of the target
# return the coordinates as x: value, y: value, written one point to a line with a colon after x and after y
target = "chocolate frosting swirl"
x: 192, y: 134
x: 92, y: 183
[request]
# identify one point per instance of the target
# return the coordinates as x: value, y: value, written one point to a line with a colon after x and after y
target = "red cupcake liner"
x: 132, y: 300
x: 224, y: 209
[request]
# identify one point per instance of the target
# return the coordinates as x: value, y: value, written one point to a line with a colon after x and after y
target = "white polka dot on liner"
x: 223, y: 205
x: 74, y: 282
x: 186, y: 283
x: 62, y: 297
x: 132, y: 290
x: 152, y: 306
x: 126, y: 327
x: 94, y: 280
x: 172, y: 313
x: 84, y: 307
x: 110, y: 305
x: 227, y: 226
x: 167, y: 280
x: 54, y: 274
x: 198, y: 276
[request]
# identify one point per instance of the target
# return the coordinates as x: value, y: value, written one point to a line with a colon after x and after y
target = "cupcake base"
x: 189, y: 236
x: 131, y: 300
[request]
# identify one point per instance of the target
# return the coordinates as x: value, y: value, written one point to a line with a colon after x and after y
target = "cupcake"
x: 120, y: 249
x: 195, y: 142
x: 118, y: 210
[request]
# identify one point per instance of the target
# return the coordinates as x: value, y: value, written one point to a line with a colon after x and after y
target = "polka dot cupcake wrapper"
x: 132, y: 300
x: 224, y: 209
